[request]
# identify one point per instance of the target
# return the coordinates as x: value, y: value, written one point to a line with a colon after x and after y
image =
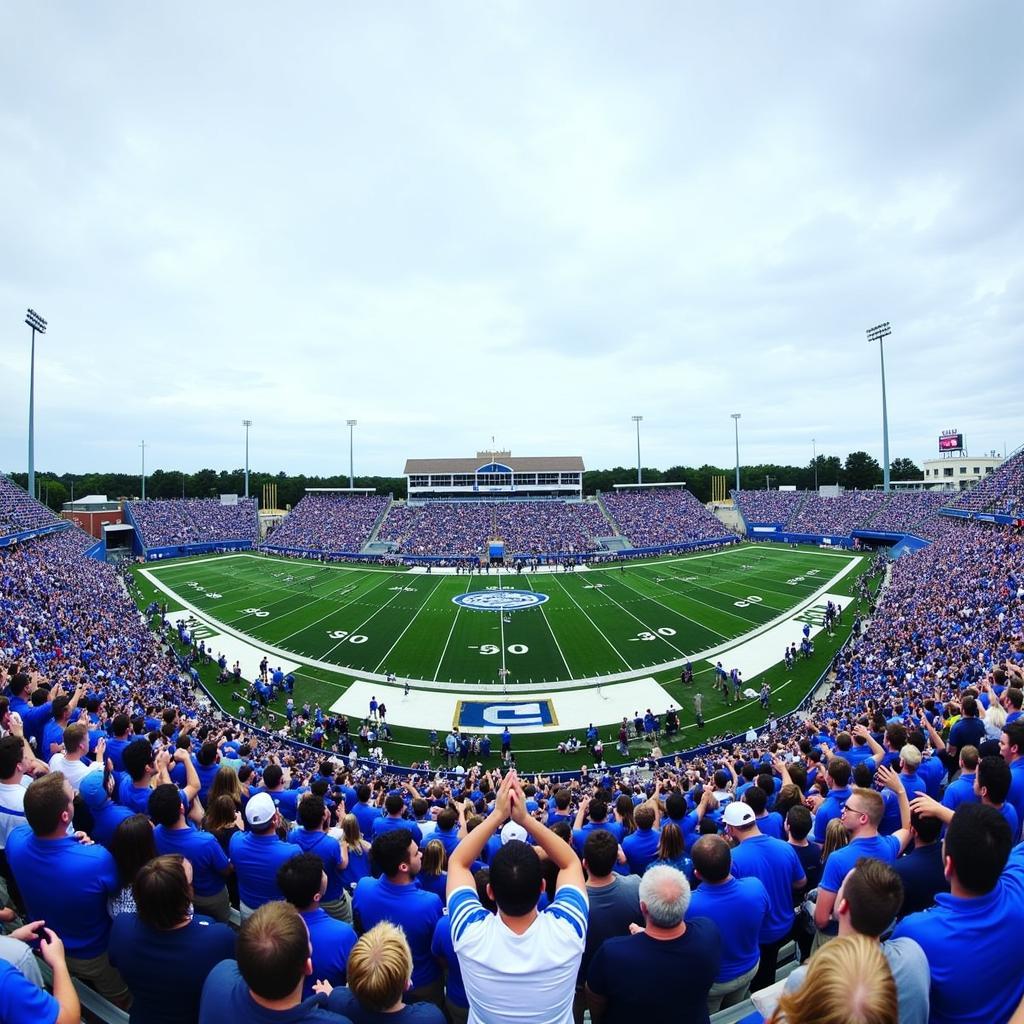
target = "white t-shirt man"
x: 545, y: 959
x: 12, y: 807
x: 74, y: 770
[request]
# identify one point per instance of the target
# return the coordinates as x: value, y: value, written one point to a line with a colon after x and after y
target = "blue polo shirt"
x: 165, y: 970
x: 739, y: 907
x: 209, y: 862
x: 67, y: 885
x: 777, y: 866
x: 366, y: 815
x: 226, y: 1000
x: 442, y: 947
x: 960, y: 792
x: 256, y: 859
x: 115, y: 751
x: 285, y: 800
x: 840, y: 862
x: 831, y: 807
x: 332, y: 941
x: 640, y: 848
x: 328, y: 849
x: 408, y: 906
x: 21, y: 1000
x: 966, y: 941
x: 933, y: 771
x: 1016, y: 794
x: 389, y: 824
x: 206, y: 773
x: 135, y: 798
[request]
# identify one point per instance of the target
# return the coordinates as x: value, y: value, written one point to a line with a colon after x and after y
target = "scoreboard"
x: 951, y: 441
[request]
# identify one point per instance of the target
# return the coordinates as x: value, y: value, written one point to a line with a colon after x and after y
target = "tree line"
x: 859, y: 470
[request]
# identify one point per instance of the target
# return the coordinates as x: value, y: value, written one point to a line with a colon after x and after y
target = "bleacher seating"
x: 1002, y: 492
x: 330, y: 523
x: 769, y: 507
x: 19, y: 512
x: 528, y: 528
x: 662, y: 517
x: 182, y: 521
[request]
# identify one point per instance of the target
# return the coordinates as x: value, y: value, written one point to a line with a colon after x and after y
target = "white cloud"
x: 450, y: 222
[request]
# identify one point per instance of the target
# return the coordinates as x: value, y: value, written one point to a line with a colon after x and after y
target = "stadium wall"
x: 23, y: 535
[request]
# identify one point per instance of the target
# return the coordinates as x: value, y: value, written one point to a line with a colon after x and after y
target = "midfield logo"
x: 500, y: 600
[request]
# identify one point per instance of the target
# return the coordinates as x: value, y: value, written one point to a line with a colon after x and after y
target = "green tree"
x: 904, y: 469
x: 861, y: 472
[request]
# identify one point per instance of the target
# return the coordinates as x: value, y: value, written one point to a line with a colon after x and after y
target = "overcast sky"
x: 527, y: 221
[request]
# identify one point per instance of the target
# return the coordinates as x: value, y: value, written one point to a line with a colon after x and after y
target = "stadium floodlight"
x: 143, y: 447
x: 37, y: 323
x: 878, y: 333
x: 736, y: 421
x: 351, y: 477
x: 636, y: 420
x: 247, y: 424
x: 814, y: 450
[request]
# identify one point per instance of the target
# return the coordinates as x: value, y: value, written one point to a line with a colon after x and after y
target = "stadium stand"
x: 837, y: 516
x: 528, y: 528
x: 907, y: 512
x: 769, y: 507
x: 19, y: 512
x: 1002, y: 492
x: 329, y: 523
x: 946, y: 638
x: 178, y: 522
x: 662, y: 517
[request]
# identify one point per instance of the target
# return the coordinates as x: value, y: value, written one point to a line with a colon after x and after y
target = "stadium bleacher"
x: 178, y: 522
x: 1001, y: 492
x: 19, y: 512
x: 329, y: 523
x: 662, y: 517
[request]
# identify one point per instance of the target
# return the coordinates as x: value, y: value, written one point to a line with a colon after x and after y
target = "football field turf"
x: 341, y: 628
x: 557, y: 628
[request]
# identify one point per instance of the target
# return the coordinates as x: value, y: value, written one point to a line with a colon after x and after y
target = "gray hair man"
x: 626, y: 976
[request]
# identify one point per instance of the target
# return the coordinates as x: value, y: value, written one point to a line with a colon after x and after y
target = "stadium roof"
x: 548, y: 464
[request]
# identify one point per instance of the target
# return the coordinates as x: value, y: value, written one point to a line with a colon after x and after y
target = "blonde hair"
x: 350, y: 831
x: 380, y: 967
x: 435, y: 858
x: 836, y: 837
x: 848, y: 982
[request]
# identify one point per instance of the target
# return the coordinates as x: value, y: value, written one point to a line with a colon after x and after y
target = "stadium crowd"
x: 661, y: 517
x: 594, y: 891
x: 774, y: 507
x: 528, y: 528
x: 19, y: 512
x: 329, y: 523
x: 180, y: 521
x: 1002, y: 491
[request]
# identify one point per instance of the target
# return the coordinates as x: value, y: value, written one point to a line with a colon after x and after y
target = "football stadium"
x: 516, y: 678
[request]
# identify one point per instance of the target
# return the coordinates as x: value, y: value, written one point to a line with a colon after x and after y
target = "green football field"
x: 340, y: 623
x: 605, y: 622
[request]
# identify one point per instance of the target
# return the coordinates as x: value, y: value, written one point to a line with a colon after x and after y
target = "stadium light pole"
x: 36, y: 323
x: 247, y: 424
x: 736, y: 421
x: 814, y: 450
x: 636, y: 420
x: 878, y: 333
x: 143, y: 447
x: 351, y: 476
